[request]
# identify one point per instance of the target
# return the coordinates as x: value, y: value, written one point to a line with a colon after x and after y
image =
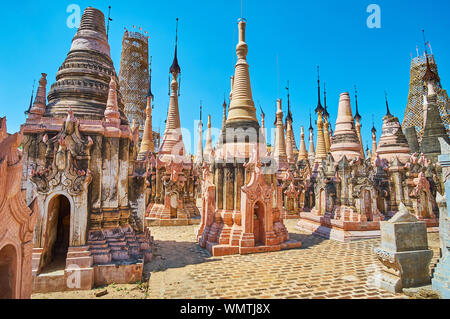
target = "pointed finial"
x: 325, y: 111
x: 310, y: 121
x: 319, y: 107
x: 374, y: 130
x: 201, y: 107
x: 109, y: 20
x: 31, y: 100
x: 387, y: 104
x: 262, y: 112
x: 175, y: 68
x: 289, y: 113
x: 357, y: 115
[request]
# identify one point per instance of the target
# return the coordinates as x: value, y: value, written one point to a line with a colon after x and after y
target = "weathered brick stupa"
x: 16, y: 221
x: 174, y: 202
x: 242, y: 204
x: 346, y: 187
x: 79, y: 154
x: 345, y: 141
x: 392, y: 143
x: 82, y: 81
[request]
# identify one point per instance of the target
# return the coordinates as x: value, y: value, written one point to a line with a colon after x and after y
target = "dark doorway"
x: 58, y: 234
x: 259, y: 224
x: 8, y: 269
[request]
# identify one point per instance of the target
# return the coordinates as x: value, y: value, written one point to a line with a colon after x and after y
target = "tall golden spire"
x: 302, y: 154
x: 242, y: 107
x: 147, y: 144
x: 326, y: 116
x: 374, y: 144
x: 289, y: 149
x: 311, y: 150
x: 172, y: 142
x: 263, y: 127
x: 280, y: 143
x: 199, y: 156
x: 321, y: 151
x: 358, y: 125
x: 208, y: 145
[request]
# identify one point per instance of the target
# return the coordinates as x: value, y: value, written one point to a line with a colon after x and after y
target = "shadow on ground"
x: 173, y: 254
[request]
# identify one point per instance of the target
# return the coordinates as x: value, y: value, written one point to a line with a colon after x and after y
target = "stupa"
x: 392, y: 143
x: 79, y: 154
x: 345, y: 141
x: 242, y: 203
x: 174, y: 203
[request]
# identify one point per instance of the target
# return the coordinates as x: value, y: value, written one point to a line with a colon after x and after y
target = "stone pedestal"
x: 404, y: 252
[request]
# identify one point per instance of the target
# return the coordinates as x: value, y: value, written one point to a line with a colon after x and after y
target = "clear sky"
x: 303, y: 34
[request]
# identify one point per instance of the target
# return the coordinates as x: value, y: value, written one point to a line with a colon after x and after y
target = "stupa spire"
x: 321, y: 151
x: 39, y: 105
x: 357, y: 118
x: 311, y: 150
x: 302, y: 154
x: 280, y: 143
x: 388, y: 112
x: 319, y: 107
x: 289, y: 149
x: 242, y: 108
x: 325, y: 112
x: 263, y: 127
x: 147, y: 144
x: 208, y: 145
x: 326, y: 122
x: 175, y: 68
x: 199, y: 156
x: 374, y: 143
x: 112, y: 115
x: 172, y: 141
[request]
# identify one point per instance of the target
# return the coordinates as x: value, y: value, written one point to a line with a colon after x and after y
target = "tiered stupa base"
x: 114, y: 255
x: 345, y: 225
x: 161, y: 215
x: 221, y: 239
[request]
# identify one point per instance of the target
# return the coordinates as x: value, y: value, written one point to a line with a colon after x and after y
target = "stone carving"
x: 66, y: 150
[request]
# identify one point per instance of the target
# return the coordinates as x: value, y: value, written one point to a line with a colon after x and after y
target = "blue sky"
x: 303, y: 34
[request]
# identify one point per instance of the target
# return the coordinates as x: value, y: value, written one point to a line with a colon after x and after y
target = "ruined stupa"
x: 392, y: 143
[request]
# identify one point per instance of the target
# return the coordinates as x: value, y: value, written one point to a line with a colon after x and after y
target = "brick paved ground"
x: 320, y: 269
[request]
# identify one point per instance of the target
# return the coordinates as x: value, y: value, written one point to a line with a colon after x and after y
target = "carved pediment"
x: 69, y: 152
